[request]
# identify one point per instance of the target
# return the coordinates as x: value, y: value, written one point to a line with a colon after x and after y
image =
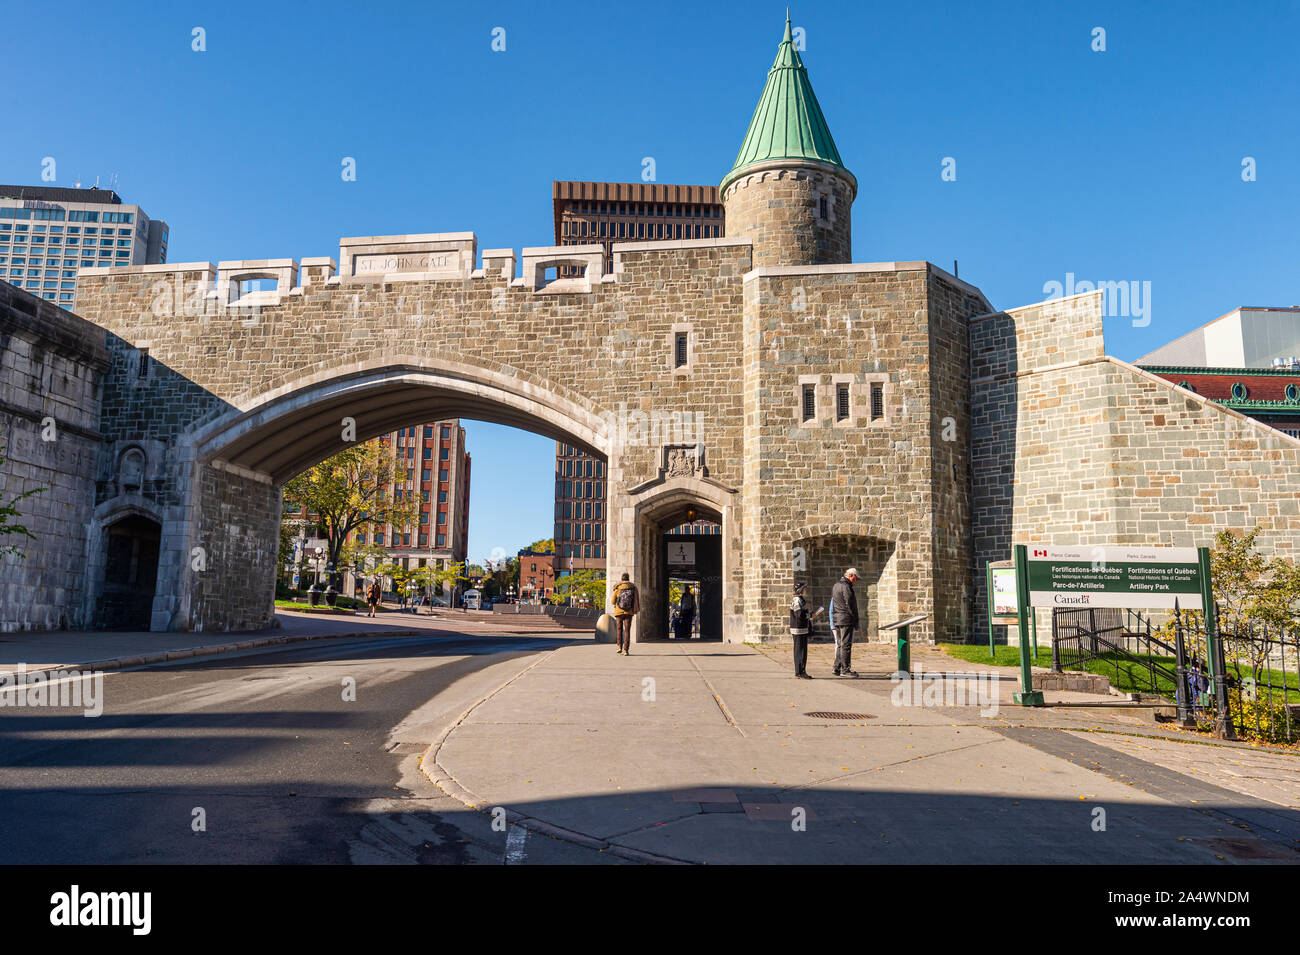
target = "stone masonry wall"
x: 239, y: 526
x: 51, y: 367
x: 1074, y: 448
x: 869, y: 479
x: 951, y: 305
x: 607, y: 351
x: 779, y: 210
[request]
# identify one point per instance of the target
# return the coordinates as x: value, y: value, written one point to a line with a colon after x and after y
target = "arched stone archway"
x: 667, y: 502
x: 821, y: 557
x: 286, y: 430
x: 128, y: 514
x: 217, y: 566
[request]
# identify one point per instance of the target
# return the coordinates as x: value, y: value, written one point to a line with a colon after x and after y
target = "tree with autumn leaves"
x: 352, y: 490
x: 1253, y: 593
x: 586, y: 587
x: 1250, y: 588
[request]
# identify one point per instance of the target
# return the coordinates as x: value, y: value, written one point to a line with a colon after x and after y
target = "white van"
x: 473, y: 600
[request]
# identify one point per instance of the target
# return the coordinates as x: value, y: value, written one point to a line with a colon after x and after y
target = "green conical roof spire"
x: 787, y: 123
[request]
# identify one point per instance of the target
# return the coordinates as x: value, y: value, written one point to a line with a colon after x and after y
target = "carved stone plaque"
x: 386, y: 263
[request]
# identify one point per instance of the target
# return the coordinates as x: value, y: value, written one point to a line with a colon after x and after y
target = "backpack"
x: 626, y: 598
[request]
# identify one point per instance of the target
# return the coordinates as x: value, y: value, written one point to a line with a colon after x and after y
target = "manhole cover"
x: 827, y: 715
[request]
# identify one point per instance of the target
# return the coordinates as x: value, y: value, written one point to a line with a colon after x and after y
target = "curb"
x: 438, y: 775
x: 164, y: 656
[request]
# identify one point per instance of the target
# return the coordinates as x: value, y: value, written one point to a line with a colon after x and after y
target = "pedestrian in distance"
x: 686, y: 613
x: 627, y: 603
x: 801, y: 629
x: 373, y: 593
x: 844, y: 613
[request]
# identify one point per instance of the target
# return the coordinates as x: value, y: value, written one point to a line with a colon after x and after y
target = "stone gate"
x: 822, y: 412
x: 229, y: 396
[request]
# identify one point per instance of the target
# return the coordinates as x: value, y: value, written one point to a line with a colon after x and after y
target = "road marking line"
x: 515, y: 839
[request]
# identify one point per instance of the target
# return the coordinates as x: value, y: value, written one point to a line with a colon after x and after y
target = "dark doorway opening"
x: 130, y: 574
x: 695, y: 561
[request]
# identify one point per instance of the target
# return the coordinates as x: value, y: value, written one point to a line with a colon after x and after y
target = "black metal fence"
x: 1255, y: 694
x: 1261, y: 680
x: 1117, y: 643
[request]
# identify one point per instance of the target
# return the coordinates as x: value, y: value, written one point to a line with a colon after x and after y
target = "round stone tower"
x: 788, y: 190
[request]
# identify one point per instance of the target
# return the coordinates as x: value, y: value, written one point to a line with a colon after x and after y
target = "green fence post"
x: 1214, y: 649
x: 904, y: 652
x: 1027, y: 696
x: 988, y: 600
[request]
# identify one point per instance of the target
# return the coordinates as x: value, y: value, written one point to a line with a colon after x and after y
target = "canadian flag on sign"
x: 1039, y: 552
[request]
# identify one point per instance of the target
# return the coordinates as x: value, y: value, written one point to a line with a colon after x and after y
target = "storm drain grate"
x: 828, y: 715
x: 404, y: 749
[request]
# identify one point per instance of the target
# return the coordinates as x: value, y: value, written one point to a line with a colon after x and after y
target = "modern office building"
x: 437, y: 473
x: 1246, y: 337
x: 587, y: 213
x: 48, y: 233
x: 579, y: 511
x: 1247, y: 360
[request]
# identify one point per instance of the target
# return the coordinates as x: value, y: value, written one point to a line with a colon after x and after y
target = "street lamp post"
x: 314, y: 595
x: 331, y: 593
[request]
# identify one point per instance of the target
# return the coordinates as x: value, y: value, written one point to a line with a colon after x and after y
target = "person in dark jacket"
x: 844, y: 610
x: 686, y: 613
x: 800, y: 629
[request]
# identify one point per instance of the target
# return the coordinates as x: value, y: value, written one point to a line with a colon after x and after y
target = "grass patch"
x: 1003, y: 655
x: 1126, y: 674
x: 304, y: 605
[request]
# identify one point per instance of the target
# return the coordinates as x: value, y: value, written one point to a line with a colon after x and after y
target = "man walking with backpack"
x: 844, y: 612
x: 627, y: 602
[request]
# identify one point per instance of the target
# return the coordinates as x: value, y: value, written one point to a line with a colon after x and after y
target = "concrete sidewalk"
x: 704, y: 752
x: 109, y: 650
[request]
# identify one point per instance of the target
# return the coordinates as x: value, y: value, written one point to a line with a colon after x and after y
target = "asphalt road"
x: 264, y: 750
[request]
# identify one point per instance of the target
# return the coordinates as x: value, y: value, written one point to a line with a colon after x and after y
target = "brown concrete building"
x: 587, y: 213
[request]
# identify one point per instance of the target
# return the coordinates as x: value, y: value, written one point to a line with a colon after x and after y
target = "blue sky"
x: 1123, y: 165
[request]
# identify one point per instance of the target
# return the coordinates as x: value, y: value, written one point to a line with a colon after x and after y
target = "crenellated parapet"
x: 394, y: 259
